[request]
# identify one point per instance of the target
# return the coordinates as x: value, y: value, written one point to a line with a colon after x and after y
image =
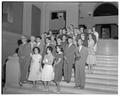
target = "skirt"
x: 47, y: 73
x: 91, y: 59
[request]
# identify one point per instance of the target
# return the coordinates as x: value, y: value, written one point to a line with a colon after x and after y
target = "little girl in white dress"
x: 35, y: 67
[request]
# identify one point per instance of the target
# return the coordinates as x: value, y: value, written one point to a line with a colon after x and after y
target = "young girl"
x: 58, y: 67
x: 91, y: 59
x: 35, y: 68
x: 47, y: 72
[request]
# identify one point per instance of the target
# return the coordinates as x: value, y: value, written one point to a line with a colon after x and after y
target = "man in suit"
x: 40, y: 44
x: 81, y: 54
x: 24, y: 59
x: 69, y: 59
x: 32, y: 43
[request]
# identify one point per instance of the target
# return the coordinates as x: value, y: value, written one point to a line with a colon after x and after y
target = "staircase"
x: 103, y: 80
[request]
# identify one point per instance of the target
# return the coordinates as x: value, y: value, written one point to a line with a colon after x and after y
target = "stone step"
x: 100, y: 67
x: 99, y: 76
x: 105, y: 68
x: 107, y: 59
x: 64, y: 90
x: 108, y: 56
x: 107, y: 65
x: 92, y: 86
x: 102, y: 81
x: 107, y: 62
x: 106, y: 82
x: 104, y: 72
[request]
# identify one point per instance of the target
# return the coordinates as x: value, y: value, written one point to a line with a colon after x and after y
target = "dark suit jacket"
x: 80, y: 57
x: 24, y: 50
x: 69, y: 53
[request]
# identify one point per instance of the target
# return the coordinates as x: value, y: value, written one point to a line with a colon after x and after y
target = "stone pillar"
x: 12, y: 71
x: 27, y: 9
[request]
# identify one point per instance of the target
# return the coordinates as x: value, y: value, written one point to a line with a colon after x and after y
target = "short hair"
x: 16, y: 51
x: 69, y: 37
x: 23, y: 37
x: 49, y: 38
x: 59, y: 38
x: 38, y: 37
x: 79, y: 39
x: 64, y: 29
x: 19, y: 42
x: 36, y: 48
x: 50, y: 48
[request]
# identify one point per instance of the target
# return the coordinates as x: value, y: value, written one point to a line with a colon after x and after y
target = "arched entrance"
x: 110, y: 30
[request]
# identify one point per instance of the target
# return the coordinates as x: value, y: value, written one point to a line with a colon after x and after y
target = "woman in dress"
x: 58, y: 67
x: 35, y: 68
x: 84, y: 38
x: 91, y: 59
x: 48, y: 72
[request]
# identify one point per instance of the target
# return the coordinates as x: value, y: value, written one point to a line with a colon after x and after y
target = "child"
x: 47, y: 72
x: 35, y: 68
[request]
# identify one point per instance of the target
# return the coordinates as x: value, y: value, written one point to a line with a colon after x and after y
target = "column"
x: 27, y: 9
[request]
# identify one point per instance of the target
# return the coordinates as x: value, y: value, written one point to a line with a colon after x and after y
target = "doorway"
x: 107, y: 31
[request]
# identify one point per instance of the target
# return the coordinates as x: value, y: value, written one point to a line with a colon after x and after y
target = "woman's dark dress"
x: 58, y: 68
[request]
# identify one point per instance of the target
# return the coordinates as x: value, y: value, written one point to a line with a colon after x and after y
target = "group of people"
x: 50, y: 57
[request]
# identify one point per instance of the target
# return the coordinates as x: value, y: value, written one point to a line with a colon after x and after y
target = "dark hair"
x: 93, y: 37
x: 69, y: 37
x: 64, y: 29
x: 16, y: 51
x: 36, y: 48
x: 78, y: 39
x: 38, y: 37
x: 49, y: 38
x: 50, y: 48
x: 59, y: 47
x: 72, y: 25
x: 59, y: 38
x: 19, y: 42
